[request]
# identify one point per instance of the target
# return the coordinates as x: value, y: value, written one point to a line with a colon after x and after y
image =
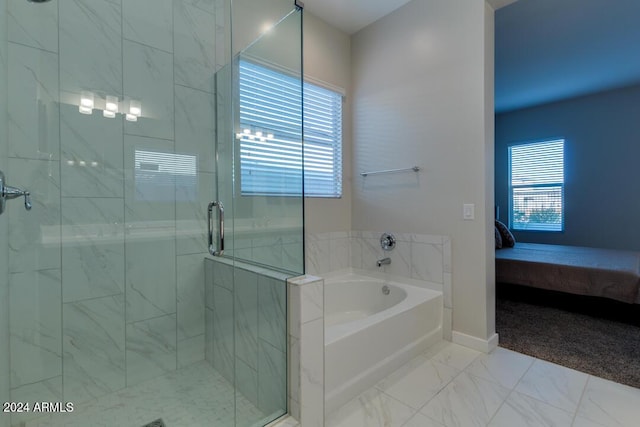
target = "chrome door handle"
x: 8, y: 193
x: 211, y: 226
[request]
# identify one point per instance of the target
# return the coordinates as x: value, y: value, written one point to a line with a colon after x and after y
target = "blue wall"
x: 602, y: 166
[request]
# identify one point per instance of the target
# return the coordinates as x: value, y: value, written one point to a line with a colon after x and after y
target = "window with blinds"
x: 271, y: 152
x: 536, y: 179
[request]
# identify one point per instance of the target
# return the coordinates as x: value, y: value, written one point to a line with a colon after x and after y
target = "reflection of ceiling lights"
x: 111, y: 106
x: 82, y: 163
x: 86, y: 102
x: 247, y: 134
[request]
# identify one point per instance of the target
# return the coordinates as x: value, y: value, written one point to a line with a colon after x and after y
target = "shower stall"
x: 124, y: 300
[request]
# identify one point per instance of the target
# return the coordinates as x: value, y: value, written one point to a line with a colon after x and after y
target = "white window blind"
x: 271, y: 158
x: 537, y: 186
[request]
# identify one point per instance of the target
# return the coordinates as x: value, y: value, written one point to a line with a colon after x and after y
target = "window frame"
x: 338, y: 144
x: 550, y: 185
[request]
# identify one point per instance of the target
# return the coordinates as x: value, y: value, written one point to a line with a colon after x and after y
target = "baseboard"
x: 485, y: 346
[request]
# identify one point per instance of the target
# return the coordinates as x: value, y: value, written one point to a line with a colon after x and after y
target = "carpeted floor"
x: 592, y: 335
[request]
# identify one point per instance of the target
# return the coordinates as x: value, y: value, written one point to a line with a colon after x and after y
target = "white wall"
x: 422, y: 95
x: 327, y: 58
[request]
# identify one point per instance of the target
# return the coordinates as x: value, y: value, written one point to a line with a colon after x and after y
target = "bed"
x: 578, y: 270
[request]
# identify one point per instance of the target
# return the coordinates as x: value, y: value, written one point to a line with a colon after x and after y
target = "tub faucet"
x: 383, y: 261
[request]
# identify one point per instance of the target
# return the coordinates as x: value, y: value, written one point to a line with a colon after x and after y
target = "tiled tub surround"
x: 421, y: 257
x: 106, y: 277
x: 246, y: 332
x: 370, y: 333
x: 306, y: 350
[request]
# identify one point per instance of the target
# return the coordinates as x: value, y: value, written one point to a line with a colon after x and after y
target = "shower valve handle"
x: 8, y: 193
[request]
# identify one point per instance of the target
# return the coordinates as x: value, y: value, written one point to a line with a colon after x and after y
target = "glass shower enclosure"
x: 122, y: 121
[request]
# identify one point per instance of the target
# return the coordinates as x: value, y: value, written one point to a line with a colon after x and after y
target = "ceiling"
x: 351, y: 16
x: 548, y: 50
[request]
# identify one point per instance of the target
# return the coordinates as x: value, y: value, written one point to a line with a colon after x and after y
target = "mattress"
x: 578, y: 270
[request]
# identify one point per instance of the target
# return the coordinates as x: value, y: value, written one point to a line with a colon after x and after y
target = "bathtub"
x: 369, y: 334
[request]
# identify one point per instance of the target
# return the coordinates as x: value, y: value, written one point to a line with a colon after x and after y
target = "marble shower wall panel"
x: 92, y: 248
x: 151, y: 348
x: 246, y: 326
x: 90, y: 49
x: 191, y: 309
x: 195, y: 46
x: 33, y: 26
x: 34, y: 236
x: 33, y: 111
x: 148, y: 78
x: 149, y: 22
x: 94, y: 347
x: 35, y: 329
x: 195, y: 126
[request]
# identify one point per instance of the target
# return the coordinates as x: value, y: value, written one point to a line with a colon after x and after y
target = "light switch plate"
x: 468, y: 211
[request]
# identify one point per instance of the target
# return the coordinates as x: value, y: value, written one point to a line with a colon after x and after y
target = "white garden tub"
x: 369, y: 334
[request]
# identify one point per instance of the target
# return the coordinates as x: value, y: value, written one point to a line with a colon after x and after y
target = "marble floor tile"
x: 467, y: 401
x: 418, y: 381
x: 196, y: 396
x: 553, y: 384
x: 610, y: 404
x: 451, y: 354
x: 502, y: 366
x: 520, y: 410
x: 419, y: 420
x: 373, y: 408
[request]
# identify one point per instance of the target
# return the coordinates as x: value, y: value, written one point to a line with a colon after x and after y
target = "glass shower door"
x: 107, y: 117
x: 247, y: 298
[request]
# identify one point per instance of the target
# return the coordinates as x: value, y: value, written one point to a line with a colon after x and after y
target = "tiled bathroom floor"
x: 194, y: 396
x: 451, y: 385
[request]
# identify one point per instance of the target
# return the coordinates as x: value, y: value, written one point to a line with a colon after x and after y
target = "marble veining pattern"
x: 195, y: 47
x: 148, y: 77
x: 469, y: 400
x: 90, y: 47
x: 151, y: 348
x: 246, y: 317
x: 92, y: 248
x: 190, y: 270
x: 525, y: 411
x: 94, y: 348
x: 33, y: 26
x: 34, y: 114
x: 35, y: 329
x: 554, y: 385
x: 272, y: 312
x: 34, y: 238
x: 196, y: 396
x: 195, y: 129
x: 152, y: 29
x: 97, y: 142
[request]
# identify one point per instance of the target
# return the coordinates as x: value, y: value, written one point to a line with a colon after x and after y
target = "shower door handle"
x: 211, y: 227
x: 8, y: 193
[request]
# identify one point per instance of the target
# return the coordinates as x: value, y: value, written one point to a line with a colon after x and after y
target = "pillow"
x: 498, y: 239
x: 508, y: 241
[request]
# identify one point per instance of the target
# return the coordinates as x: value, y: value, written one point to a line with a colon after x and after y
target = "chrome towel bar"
x: 414, y: 169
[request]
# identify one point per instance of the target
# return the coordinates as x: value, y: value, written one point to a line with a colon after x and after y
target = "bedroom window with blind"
x: 271, y: 158
x: 536, y: 186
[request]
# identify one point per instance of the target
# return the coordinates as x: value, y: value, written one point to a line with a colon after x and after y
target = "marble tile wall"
x: 246, y: 330
x: 418, y: 256
x: 106, y: 272
x: 306, y: 350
